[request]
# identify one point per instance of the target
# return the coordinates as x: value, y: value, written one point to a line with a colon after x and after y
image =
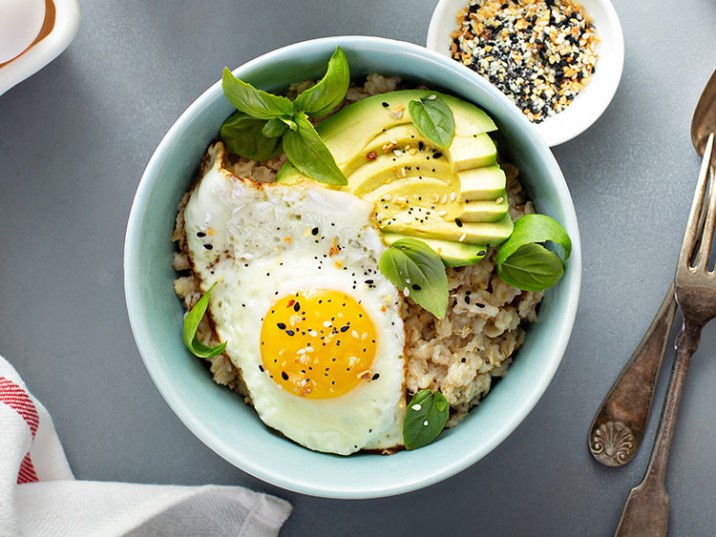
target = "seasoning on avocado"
x: 540, y: 53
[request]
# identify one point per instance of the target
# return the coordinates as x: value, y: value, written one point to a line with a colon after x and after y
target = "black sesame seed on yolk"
x: 318, y: 344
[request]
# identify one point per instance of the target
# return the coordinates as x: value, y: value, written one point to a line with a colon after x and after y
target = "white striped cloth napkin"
x: 40, y: 497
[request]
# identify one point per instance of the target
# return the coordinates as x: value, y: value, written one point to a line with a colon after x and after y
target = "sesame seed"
x: 540, y: 54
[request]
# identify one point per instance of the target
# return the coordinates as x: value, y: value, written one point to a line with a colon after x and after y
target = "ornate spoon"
x: 618, y: 426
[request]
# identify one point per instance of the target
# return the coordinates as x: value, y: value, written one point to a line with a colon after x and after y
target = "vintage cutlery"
x: 646, y: 512
x: 618, y: 427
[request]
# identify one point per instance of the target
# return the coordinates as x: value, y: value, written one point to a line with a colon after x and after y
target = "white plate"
x: 591, y: 102
x: 67, y: 19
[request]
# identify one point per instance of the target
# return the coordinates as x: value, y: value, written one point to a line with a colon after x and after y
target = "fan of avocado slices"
x: 453, y: 198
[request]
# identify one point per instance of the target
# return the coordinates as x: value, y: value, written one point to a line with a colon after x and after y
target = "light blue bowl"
x: 219, y: 417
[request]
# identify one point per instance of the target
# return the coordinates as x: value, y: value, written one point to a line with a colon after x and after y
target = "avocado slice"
x: 414, y: 191
x: 472, y: 152
x: 402, y: 137
x: 453, y: 254
x: 482, y: 183
x: 484, y: 210
x: 463, y: 153
x: 491, y: 233
x: 389, y: 167
x: 419, y: 195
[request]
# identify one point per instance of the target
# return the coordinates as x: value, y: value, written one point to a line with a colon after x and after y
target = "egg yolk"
x: 318, y: 344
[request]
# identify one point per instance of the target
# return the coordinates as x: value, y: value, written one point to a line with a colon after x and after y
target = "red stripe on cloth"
x: 27, y: 473
x: 15, y: 397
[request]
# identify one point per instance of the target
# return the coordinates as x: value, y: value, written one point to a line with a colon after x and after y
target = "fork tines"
x: 696, y: 247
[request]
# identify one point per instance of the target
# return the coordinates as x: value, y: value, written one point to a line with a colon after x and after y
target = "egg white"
x: 255, y: 242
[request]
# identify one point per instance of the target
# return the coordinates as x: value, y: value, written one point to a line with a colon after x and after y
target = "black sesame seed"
x: 297, y: 306
x: 385, y: 105
x: 201, y: 234
x: 284, y: 376
x: 376, y: 376
x: 290, y: 332
x: 281, y: 326
x: 416, y: 287
x: 314, y: 231
x: 209, y: 246
x: 458, y: 222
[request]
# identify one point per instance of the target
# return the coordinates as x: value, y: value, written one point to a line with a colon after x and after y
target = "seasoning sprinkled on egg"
x: 342, y: 356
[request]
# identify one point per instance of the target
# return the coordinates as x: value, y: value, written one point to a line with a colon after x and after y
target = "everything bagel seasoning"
x: 540, y: 53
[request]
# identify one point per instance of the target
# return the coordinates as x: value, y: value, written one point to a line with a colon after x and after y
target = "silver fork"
x: 646, y: 512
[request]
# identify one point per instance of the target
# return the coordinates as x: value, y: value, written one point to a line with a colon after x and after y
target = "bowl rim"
x: 552, y: 132
x: 132, y: 276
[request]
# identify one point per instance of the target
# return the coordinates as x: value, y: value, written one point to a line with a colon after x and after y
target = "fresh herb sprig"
x: 266, y: 124
x: 425, y: 418
x: 524, y: 262
x: 413, y: 267
x: 434, y: 119
x: 191, y: 325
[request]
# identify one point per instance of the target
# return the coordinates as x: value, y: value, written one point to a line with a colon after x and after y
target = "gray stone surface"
x: 74, y: 140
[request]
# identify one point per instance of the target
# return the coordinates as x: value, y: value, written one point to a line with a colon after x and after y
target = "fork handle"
x: 618, y: 426
x: 646, y: 512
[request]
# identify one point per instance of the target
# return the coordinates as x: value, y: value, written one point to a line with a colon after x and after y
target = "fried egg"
x: 307, y: 317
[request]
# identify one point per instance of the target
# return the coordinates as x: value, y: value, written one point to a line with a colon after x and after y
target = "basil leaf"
x: 244, y: 136
x: 414, y: 268
x: 191, y: 324
x: 434, y: 120
x: 274, y: 128
x: 287, y: 170
x: 254, y: 102
x: 531, y: 268
x: 537, y: 228
x: 290, y: 123
x: 329, y: 91
x: 305, y: 150
x: 425, y: 417
x: 523, y: 261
